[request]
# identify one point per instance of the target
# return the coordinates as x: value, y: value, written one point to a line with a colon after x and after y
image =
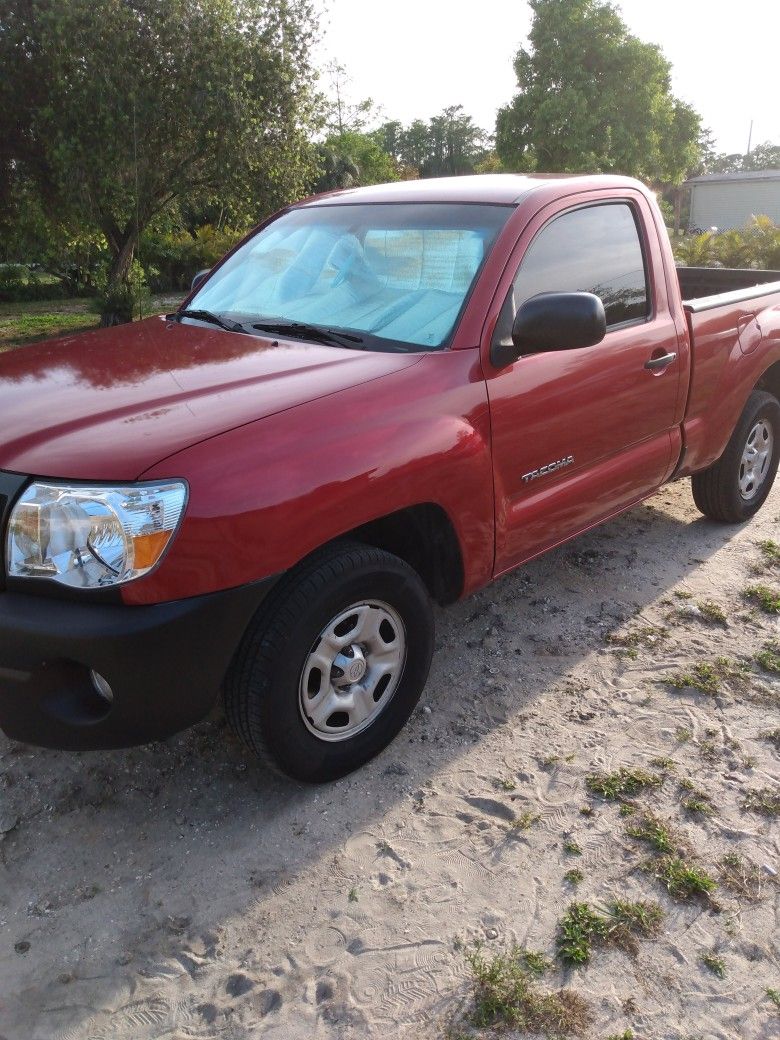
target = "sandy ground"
x: 178, y: 891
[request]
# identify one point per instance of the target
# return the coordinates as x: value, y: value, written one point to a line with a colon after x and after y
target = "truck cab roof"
x: 507, y: 189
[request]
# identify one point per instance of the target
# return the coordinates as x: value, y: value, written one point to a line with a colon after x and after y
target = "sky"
x: 415, y: 57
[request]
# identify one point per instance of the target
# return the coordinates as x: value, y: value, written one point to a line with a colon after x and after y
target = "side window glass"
x: 596, y: 249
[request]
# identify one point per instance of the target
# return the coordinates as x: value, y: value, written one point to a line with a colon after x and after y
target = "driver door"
x: 579, y: 435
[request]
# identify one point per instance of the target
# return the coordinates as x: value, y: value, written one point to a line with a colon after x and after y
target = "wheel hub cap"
x: 352, y: 671
x: 756, y: 460
x: 349, y: 666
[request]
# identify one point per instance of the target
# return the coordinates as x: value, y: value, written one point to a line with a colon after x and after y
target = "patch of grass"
x: 627, y: 809
x: 774, y: 996
x: 625, y: 781
x: 709, y: 750
x: 27, y: 328
x: 764, y: 801
x: 624, y: 922
x: 681, y: 879
x: 506, y: 995
x: 773, y: 736
x: 698, y: 804
x: 662, y: 762
x: 574, y: 876
x: 742, y: 876
x: 578, y: 929
x: 627, y: 1034
x: 707, y: 676
x: 536, y: 962
x: 682, y: 735
x: 571, y: 847
x: 586, y: 810
x: 353, y: 895
x: 627, y: 643
x: 715, y: 964
x: 711, y: 612
x: 763, y: 596
x: 505, y: 784
x: 769, y: 657
x: 770, y: 550
x: 643, y: 918
x: 655, y: 833
x: 682, y: 594
x: 524, y: 821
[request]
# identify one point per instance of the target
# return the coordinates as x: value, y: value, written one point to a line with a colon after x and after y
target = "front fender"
x: 267, y: 494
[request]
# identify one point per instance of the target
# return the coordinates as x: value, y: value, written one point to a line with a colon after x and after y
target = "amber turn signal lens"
x: 148, y: 548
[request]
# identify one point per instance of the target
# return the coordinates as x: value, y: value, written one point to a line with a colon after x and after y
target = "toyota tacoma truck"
x: 382, y: 398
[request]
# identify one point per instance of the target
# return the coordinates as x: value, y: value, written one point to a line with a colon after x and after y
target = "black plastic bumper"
x: 164, y: 664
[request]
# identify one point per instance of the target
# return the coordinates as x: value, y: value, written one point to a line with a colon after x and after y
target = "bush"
x: 20, y: 284
x: 171, y: 259
x: 123, y: 302
x: 756, y: 246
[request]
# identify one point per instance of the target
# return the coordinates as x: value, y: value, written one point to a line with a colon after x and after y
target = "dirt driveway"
x: 179, y: 891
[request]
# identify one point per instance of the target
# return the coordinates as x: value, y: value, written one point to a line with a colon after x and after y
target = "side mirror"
x: 553, y: 321
x: 200, y: 277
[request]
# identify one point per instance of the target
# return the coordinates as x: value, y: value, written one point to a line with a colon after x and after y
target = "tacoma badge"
x: 551, y: 467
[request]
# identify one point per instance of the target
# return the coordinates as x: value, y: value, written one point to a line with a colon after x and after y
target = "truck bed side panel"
x: 733, y: 347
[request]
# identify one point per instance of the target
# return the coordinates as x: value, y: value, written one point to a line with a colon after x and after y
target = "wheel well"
x: 422, y: 536
x: 770, y: 380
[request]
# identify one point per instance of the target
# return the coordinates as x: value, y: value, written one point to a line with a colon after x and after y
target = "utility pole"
x: 750, y: 138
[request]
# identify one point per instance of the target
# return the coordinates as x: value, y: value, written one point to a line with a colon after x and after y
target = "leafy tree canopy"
x: 593, y: 97
x: 116, y: 109
x: 449, y: 144
x: 764, y: 156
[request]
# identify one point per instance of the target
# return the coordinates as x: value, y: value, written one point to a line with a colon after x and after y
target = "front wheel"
x: 735, y: 487
x: 333, y: 664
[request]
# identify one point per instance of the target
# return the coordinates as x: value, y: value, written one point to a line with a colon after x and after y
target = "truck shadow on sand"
x: 114, y: 864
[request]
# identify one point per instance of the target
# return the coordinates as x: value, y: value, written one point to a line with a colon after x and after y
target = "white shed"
x: 729, y: 200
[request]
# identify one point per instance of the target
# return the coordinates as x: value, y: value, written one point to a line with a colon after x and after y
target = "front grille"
x: 10, y: 486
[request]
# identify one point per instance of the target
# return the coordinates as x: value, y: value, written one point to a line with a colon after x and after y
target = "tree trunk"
x: 678, y: 198
x: 118, y: 304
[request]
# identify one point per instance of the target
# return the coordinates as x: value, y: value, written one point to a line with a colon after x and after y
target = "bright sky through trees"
x: 415, y: 57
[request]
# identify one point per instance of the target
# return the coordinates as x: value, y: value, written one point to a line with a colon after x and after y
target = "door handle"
x: 656, y: 363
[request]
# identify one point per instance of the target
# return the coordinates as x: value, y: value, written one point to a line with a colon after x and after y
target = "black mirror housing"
x: 199, y: 277
x: 554, y: 321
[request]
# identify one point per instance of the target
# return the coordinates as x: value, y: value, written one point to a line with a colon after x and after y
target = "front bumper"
x: 164, y: 664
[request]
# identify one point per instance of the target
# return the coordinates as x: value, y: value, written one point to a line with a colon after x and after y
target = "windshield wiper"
x: 214, y: 319
x: 318, y: 333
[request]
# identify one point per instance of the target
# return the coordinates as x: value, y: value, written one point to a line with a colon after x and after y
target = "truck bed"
x: 703, y: 288
x: 729, y: 312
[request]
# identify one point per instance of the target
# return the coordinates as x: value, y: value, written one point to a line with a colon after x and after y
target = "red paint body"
x: 286, y: 446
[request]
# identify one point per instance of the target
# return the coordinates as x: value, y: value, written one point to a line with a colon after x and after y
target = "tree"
x: 447, y: 145
x: 764, y: 156
x: 116, y: 109
x: 456, y: 143
x: 351, y: 159
x: 592, y: 97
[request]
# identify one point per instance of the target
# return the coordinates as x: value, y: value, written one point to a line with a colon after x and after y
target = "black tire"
x: 716, y: 490
x: 262, y: 686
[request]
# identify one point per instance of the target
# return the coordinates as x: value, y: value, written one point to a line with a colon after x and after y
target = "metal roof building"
x: 729, y: 200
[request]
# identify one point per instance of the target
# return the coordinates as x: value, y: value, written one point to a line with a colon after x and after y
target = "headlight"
x: 90, y: 537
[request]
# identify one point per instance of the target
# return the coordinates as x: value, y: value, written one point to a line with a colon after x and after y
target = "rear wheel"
x: 333, y: 664
x: 736, y: 486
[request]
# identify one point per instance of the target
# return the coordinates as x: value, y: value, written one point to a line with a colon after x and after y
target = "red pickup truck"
x: 381, y: 398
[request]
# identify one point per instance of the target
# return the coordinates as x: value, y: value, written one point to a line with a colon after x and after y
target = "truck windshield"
x: 395, y: 274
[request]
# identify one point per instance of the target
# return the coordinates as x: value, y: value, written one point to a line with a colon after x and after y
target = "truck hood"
x: 107, y: 405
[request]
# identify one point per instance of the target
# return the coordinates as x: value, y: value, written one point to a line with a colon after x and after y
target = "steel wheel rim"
x: 756, y: 460
x: 352, y: 671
